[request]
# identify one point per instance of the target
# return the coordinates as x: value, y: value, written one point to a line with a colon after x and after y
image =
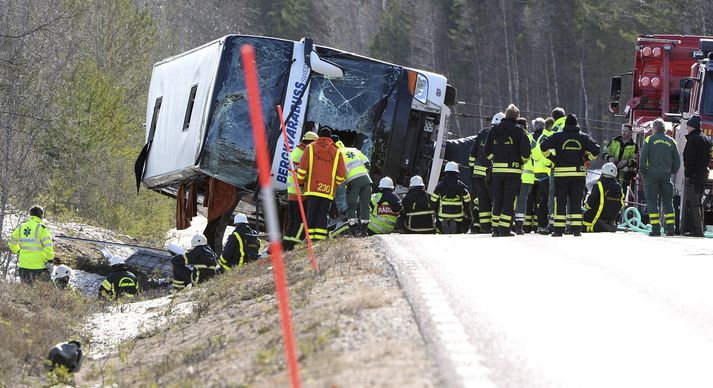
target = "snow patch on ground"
x: 124, y: 322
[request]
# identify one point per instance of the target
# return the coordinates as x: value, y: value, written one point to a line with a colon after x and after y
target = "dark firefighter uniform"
x: 508, y: 147
x: 417, y: 213
x: 569, y: 149
x: 201, y: 258
x: 120, y: 282
x: 659, y: 160
x: 603, y: 206
x: 242, y: 247
x: 451, y: 201
x: 385, y: 208
x: 480, y: 165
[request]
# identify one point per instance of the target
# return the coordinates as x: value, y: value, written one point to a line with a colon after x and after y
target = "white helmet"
x: 609, y: 170
x: 416, y: 181
x: 240, y: 218
x: 452, y: 167
x: 386, y: 183
x: 198, y: 240
x: 497, y: 118
x: 61, y: 271
x: 114, y: 260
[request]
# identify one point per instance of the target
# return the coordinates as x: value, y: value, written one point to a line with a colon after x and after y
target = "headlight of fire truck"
x: 420, y: 93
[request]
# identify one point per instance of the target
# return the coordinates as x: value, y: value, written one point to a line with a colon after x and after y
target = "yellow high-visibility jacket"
x: 33, y: 242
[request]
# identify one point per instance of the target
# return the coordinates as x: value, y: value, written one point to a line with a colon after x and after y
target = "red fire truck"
x: 672, y: 79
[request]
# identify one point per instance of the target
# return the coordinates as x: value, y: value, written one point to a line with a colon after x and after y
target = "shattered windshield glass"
x: 229, y: 153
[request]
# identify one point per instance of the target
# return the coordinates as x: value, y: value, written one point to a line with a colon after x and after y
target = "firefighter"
x: 480, y: 164
x: 622, y: 151
x: 120, y: 282
x: 321, y: 170
x: 508, y: 147
x: 604, y: 202
x: 527, y: 181
x: 294, y: 232
x: 242, y: 246
x: 559, y: 117
x: 569, y: 149
x: 696, y: 156
x: 417, y: 213
x: 358, y: 188
x: 385, y: 208
x: 61, y: 275
x: 543, y: 171
x: 451, y: 201
x: 32, y: 242
x: 202, y: 260
x: 659, y: 160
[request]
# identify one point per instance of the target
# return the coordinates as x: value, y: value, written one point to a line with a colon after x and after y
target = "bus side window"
x: 154, y: 119
x: 189, y: 108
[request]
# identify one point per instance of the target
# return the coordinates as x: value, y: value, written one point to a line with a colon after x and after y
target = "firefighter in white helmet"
x: 604, y: 202
x: 194, y: 266
x: 451, y: 202
x: 60, y: 276
x: 480, y: 166
x: 242, y: 246
x: 417, y: 214
x: 385, y: 208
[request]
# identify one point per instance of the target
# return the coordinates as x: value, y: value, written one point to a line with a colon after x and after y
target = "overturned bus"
x: 199, y: 140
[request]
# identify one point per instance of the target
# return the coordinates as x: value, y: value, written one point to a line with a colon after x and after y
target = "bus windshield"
x: 707, y: 101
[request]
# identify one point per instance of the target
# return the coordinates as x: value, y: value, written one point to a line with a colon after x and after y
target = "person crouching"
x: 201, y: 258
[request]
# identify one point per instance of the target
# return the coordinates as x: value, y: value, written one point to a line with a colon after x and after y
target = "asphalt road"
x: 602, y: 310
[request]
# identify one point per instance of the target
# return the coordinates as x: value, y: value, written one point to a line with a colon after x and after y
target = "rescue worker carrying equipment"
x: 242, y: 246
x: 202, y: 260
x: 696, y: 157
x: 60, y: 276
x: 480, y: 165
x: 569, y: 149
x: 451, y: 201
x: 604, y: 202
x: 32, y: 242
x: 508, y: 147
x: 120, y: 281
x: 622, y: 152
x: 358, y: 187
x: 385, y: 208
x: 294, y: 234
x: 659, y: 161
x: 417, y: 213
x: 321, y: 170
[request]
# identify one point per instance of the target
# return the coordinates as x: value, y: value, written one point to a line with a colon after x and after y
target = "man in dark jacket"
x: 480, y: 166
x: 451, y: 202
x: 242, y: 246
x: 696, y: 156
x: 659, y: 160
x: 569, y: 149
x: 120, y: 281
x: 604, y: 202
x: 385, y: 208
x: 201, y: 258
x: 417, y: 213
x: 508, y: 147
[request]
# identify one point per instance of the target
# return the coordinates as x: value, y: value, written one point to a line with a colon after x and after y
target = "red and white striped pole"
x: 297, y: 190
x: 273, y: 230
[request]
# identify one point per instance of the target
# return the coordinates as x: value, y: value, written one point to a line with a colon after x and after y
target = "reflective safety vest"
x: 33, y: 244
x: 385, y: 210
x: 355, y: 162
x: 451, y: 207
x: 295, y: 156
x: 616, y: 153
x: 528, y: 168
x: 321, y: 169
x: 557, y: 125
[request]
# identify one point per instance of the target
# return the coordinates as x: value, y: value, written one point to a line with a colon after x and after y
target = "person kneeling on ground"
x: 242, y: 245
x: 60, y: 276
x: 451, y: 201
x: 201, y: 258
x: 385, y: 208
x: 120, y: 281
x: 417, y: 214
x: 604, y: 203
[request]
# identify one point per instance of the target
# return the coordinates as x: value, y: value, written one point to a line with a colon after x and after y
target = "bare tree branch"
x: 41, y: 27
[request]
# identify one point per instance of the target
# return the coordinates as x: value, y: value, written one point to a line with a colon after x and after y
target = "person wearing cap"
x: 294, y: 233
x: 604, y: 202
x: 201, y: 259
x: 358, y: 182
x: 696, y: 157
x: 508, y: 147
x: 480, y: 166
x: 659, y: 161
x: 451, y: 202
x: 417, y: 213
x: 32, y: 243
x: 569, y: 149
x: 622, y: 151
x: 242, y: 246
x: 120, y: 282
x: 385, y: 208
x: 321, y: 170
